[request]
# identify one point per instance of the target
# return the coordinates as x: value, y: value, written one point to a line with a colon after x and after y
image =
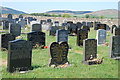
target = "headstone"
x: 15, y: 29
x: 90, y: 52
x: 56, y: 23
x: 81, y: 35
x: 84, y: 23
x: 36, y: 27
x: 9, y: 16
x: 36, y: 38
x: 101, y: 26
x: 62, y: 35
x: 49, y: 20
x: 21, y: 16
x: 5, y: 25
x: 42, y: 21
x: 79, y: 25
x: 113, y: 26
x: 89, y: 24
x: 95, y: 25
x: 4, y: 39
x: 115, y: 47
x: 52, y: 31
x: 59, y: 53
x: 19, y: 56
x: 86, y: 28
x: 116, y: 31
x: 101, y: 36
x: 22, y: 22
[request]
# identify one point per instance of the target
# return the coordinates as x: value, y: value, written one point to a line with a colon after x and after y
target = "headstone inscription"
x: 81, y: 35
x: 36, y: 27
x: 37, y: 38
x: 4, y: 39
x: 62, y: 35
x: 101, y: 36
x: 115, y: 44
x: 19, y: 56
x: 15, y: 29
x: 90, y: 52
x: 59, y: 54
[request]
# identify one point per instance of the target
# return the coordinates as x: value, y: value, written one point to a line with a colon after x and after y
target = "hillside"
x: 67, y: 11
x: 6, y: 10
x: 107, y: 12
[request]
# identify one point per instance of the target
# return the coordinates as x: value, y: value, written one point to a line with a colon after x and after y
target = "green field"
x: 41, y: 57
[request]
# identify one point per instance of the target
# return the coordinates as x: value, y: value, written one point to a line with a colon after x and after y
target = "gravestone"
x: 56, y: 23
x: 59, y: 53
x: 42, y: 21
x: 36, y: 38
x: 62, y: 35
x: 9, y: 16
x: 79, y: 25
x: 15, y: 29
x: 4, y: 39
x: 36, y: 27
x: 49, y: 20
x: 115, y: 47
x: 52, y: 31
x: 86, y: 28
x: 95, y: 25
x: 5, y: 25
x: 22, y: 22
x: 21, y: 16
x: 113, y: 26
x: 101, y: 36
x: 89, y: 24
x: 116, y: 31
x: 84, y: 23
x: 19, y: 56
x: 81, y: 35
x: 90, y: 52
x: 101, y: 26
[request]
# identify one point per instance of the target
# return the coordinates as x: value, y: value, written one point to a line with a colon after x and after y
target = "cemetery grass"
x: 41, y: 59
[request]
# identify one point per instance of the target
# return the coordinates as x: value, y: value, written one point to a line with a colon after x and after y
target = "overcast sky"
x: 34, y: 6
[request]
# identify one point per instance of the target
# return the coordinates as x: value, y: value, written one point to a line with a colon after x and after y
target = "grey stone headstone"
x: 15, y: 29
x: 36, y: 27
x: 59, y: 53
x: 56, y: 23
x: 89, y: 24
x: 62, y: 35
x: 101, y: 36
x: 22, y: 22
x: 115, y: 47
x: 19, y: 56
x: 81, y: 35
x: 84, y: 23
x: 79, y: 25
x: 36, y: 38
x: 89, y: 49
x: 4, y: 39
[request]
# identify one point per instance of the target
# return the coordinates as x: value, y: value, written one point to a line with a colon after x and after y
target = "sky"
x: 40, y: 7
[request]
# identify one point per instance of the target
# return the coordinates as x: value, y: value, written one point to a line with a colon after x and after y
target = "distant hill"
x: 106, y: 12
x: 6, y: 10
x: 67, y: 11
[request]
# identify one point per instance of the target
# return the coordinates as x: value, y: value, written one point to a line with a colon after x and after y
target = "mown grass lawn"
x: 41, y: 57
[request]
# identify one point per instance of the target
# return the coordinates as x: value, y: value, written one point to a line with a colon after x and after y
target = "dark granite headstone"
x: 116, y: 31
x: 15, y: 29
x: 36, y: 27
x: 49, y: 20
x: 95, y: 25
x: 115, y: 47
x: 113, y: 26
x: 90, y: 52
x: 9, y: 16
x: 42, y: 21
x: 59, y: 53
x: 56, y: 23
x: 21, y: 16
x: 19, y: 56
x: 79, y: 25
x: 53, y: 31
x: 101, y: 26
x: 36, y: 38
x: 84, y: 23
x: 62, y: 35
x: 81, y: 35
x: 4, y: 39
x: 86, y: 28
